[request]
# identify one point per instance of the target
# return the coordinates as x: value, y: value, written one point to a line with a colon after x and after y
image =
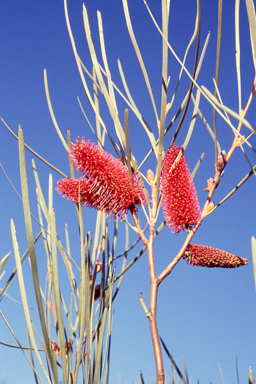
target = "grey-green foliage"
x: 78, y: 327
x: 79, y: 322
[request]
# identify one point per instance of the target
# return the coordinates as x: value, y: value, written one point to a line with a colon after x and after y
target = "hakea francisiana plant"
x: 179, y: 198
x: 203, y: 256
x: 105, y: 184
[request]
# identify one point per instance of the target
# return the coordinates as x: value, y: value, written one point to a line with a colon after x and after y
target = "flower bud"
x: 150, y: 177
x: 221, y: 161
x: 204, y: 256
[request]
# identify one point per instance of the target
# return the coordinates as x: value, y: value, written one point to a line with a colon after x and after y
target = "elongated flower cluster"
x: 180, y: 204
x: 201, y: 255
x: 105, y: 184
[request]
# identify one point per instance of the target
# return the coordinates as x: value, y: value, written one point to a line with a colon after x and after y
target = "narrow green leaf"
x: 185, y: 367
x: 237, y: 41
x: 68, y: 264
x: 32, y: 359
x: 39, y: 338
x: 50, y: 207
x: 173, y: 362
x: 138, y: 53
x: 206, y: 125
x: 19, y: 346
x: 108, y: 340
x: 111, y: 106
x: 197, y: 165
x: 132, y: 246
x: 144, y: 306
x: 31, y: 248
x: 46, y: 243
x: 124, y: 260
x: 88, y: 313
x: 198, y: 15
x: 181, y: 107
x: 220, y: 100
x: 101, y: 338
x: 139, y: 174
x: 254, y: 258
x: 40, y: 195
x: 232, y: 113
x: 249, y: 174
x: 108, y: 362
x: 33, y: 217
x: 134, y: 108
x: 34, y: 153
x: 100, y: 136
x: 105, y: 61
x: 82, y: 295
x: 171, y: 49
x: 56, y: 288
x: 71, y: 165
x: 71, y: 334
x: 251, y: 381
x: 51, y: 111
x: 200, y: 62
x: 24, y: 298
x: 127, y: 141
x: 222, y: 381
x: 96, y: 242
x: 161, y: 123
x: 184, y: 60
x: 131, y: 263
x: 252, y: 25
x: 15, y: 190
x: 217, y: 73
x: 79, y: 66
x: 3, y: 261
x: 42, y: 204
x: 4, y: 289
x: 193, y: 120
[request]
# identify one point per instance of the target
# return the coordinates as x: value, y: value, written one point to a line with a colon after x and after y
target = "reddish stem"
x: 154, y: 283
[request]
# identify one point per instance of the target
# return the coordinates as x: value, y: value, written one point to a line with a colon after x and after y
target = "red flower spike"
x: 180, y: 204
x: 105, y: 183
x: 203, y: 256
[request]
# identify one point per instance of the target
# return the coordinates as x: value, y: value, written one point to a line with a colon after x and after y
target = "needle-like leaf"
x: 30, y: 239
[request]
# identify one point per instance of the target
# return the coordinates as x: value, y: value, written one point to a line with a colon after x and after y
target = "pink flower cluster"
x: 105, y: 184
x: 201, y: 255
x: 179, y: 198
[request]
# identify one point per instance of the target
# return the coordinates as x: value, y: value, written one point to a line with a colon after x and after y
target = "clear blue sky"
x: 209, y: 315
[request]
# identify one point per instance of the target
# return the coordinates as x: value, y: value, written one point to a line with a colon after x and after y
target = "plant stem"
x: 154, y: 283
